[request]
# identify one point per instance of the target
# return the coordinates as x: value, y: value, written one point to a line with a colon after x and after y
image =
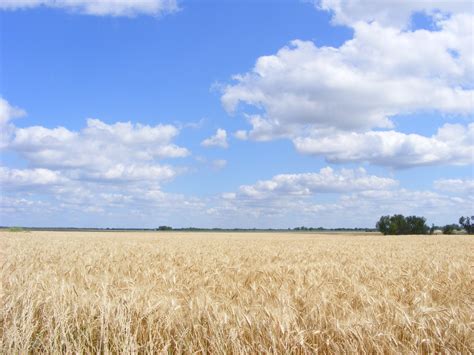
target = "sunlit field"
x: 85, y: 292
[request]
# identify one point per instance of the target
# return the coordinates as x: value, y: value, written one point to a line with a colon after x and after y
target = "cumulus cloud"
x: 107, y: 169
x: 18, y: 178
x: 119, y: 151
x: 456, y: 186
x: 217, y: 140
x: 7, y: 114
x: 380, y: 73
x: 326, y: 180
x: 98, y: 7
x: 346, y: 92
x: 452, y: 144
x: 294, y: 199
x: 387, y: 12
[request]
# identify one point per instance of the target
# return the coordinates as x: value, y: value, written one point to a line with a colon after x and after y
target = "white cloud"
x: 453, y: 144
x: 217, y: 140
x: 124, y: 173
x: 99, y: 7
x: 7, y: 113
x: 322, y: 198
x: 437, y: 208
x: 79, y: 203
x: 311, y: 199
x: 305, y: 91
x: 456, y: 186
x: 388, y: 12
x: 17, y: 178
x: 297, y: 199
x: 325, y: 181
x: 380, y: 73
x: 22, y: 207
x: 119, y: 151
x: 110, y: 169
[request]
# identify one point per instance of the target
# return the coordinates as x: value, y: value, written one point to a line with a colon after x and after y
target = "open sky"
x: 123, y: 113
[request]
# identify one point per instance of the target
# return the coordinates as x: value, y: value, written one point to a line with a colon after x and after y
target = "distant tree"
x: 432, y: 228
x: 165, y: 228
x: 383, y: 225
x: 398, y: 224
x: 450, y: 228
x: 416, y: 225
x: 465, y: 222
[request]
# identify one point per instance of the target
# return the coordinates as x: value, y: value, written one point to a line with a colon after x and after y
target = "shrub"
x: 16, y: 229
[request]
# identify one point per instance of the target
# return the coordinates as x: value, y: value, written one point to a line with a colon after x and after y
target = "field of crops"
x: 235, y: 292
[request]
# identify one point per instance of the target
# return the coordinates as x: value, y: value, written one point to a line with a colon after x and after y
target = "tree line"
x: 399, y: 224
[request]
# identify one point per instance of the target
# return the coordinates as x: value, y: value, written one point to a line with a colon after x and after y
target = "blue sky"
x: 340, y: 113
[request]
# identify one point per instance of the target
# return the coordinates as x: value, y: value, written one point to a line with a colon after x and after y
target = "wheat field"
x: 145, y: 292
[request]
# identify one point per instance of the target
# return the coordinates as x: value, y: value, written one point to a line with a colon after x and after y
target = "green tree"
x: 450, y: 228
x: 398, y: 224
x: 383, y: 225
x: 416, y: 225
x: 465, y: 222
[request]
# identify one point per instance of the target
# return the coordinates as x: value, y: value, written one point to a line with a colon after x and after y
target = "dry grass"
x: 235, y: 293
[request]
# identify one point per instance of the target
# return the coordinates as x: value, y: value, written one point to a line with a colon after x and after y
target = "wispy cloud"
x: 98, y: 7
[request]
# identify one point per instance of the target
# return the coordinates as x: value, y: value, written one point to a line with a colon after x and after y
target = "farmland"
x: 235, y: 292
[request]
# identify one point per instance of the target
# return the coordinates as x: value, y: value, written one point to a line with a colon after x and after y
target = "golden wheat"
x: 235, y: 293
